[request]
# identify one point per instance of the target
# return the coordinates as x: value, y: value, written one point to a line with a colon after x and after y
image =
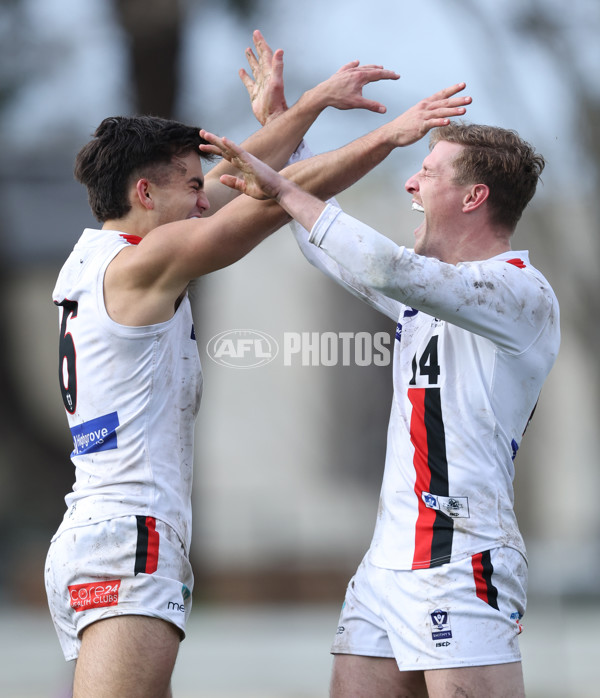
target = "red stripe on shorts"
x: 482, y: 574
x: 152, y: 557
x: 146, y: 553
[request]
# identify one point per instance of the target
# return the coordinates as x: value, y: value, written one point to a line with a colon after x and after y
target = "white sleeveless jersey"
x: 131, y: 396
x: 474, y: 343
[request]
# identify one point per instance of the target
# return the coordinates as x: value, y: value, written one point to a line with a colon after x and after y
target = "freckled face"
x: 433, y: 191
x: 183, y: 195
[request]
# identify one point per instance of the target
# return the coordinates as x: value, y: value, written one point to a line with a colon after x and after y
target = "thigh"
x: 364, y: 664
x: 495, y: 681
x: 129, y: 656
x: 354, y: 676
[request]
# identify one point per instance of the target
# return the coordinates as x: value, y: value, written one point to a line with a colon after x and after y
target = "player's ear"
x: 144, y: 196
x: 475, y: 197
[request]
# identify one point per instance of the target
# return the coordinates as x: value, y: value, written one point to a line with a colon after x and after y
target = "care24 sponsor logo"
x: 94, y: 594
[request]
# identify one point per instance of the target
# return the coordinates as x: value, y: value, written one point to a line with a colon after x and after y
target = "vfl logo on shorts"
x: 98, y: 434
x: 440, y: 625
x: 94, y: 595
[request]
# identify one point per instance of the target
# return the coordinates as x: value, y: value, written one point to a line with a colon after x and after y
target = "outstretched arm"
x: 169, y: 257
x: 284, y: 128
x: 301, y: 188
x: 265, y: 87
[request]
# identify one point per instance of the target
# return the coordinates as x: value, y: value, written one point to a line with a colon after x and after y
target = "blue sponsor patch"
x: 96, y: 435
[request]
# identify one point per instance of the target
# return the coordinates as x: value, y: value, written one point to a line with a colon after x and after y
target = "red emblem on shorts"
x: 94, y: 595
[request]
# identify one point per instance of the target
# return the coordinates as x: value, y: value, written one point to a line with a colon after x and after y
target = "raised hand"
x: 258, y: 180
x: 265, y: 87
x: 432, y: 112
x: 343, y: 90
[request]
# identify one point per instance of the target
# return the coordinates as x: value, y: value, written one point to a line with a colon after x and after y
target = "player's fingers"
x: 277, y: 61
x: 247, y: 80
x: 260, y: 43
x: 277, y: 72
x: 449, y: 91
x: 348, y: 66
x: 231, y: 181
x: 216, y: 144
x: 374, y: 74
x: 371, y: 105
x: 265, y: 55
x: 263, y: 50
x: 458, y: 101
x: 443, y: 113
x: 231, y: 145
x: 208, y: 136
x: 252, y: 60
x: 208, y: 148
x: 435, y: 123
x: 231, y: 150
x: 449, y: 107
x: 447, y: 103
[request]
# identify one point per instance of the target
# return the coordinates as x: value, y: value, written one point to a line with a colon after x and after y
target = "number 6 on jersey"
x: 67, y: 373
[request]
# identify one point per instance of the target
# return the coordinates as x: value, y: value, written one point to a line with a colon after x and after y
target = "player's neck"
x: 476, y: 245
x: 128, y: 225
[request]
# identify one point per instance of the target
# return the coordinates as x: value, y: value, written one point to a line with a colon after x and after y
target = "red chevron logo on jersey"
x: 132, y: 239
x: 517, y: 262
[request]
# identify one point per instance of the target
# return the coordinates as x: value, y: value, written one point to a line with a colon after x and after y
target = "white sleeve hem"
x: 323, y: 223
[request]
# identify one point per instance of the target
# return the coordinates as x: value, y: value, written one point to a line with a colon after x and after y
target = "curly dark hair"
x: 127, y: 148
x: 499, y: 158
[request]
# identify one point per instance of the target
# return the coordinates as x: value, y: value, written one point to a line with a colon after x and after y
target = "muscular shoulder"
x: 133, y: 295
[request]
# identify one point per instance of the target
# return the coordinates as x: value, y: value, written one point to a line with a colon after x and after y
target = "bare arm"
x: 153, y: 275
x: 236, y: 229
x: 284, y: 128
x: 301, y: 188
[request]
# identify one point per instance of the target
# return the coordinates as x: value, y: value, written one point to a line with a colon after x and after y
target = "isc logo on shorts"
x: 94, y: 595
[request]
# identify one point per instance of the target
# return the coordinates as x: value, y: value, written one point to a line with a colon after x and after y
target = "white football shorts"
x: 466, y: 613
x: 131, y: 565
